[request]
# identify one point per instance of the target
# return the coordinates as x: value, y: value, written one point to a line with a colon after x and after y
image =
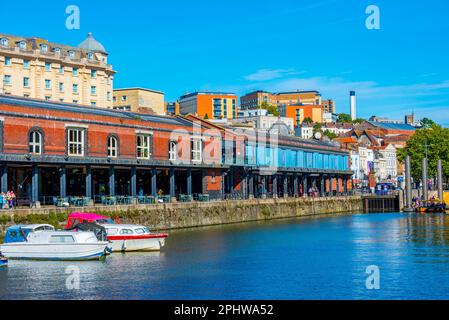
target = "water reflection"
x: 318, y: 258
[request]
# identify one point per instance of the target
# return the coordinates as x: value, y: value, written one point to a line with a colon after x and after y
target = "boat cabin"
x: 19, y: 233
x: 126, y: 229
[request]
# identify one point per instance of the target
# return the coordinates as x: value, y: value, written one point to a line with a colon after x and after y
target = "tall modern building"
x: 210, y: 105
x: 139, y: 100
x: 328, y: 106
x: 353, y: 103
x: 37, y: 68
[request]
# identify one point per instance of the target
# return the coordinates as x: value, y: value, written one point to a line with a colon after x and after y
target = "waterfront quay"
x: 56, y: 154
x: 165, y: 216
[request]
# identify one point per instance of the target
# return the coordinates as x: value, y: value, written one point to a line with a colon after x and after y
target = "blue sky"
x: 239, y: 46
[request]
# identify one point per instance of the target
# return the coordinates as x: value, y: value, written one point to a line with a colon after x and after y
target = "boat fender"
x: 124, y: 245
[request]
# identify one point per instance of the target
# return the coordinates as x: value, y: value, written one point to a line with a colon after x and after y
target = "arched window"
x: 173, y: 151
x: 112, y: 147
x: 35, y: 142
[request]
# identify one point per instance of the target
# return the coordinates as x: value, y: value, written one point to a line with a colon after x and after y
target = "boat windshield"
x: 98, y: 230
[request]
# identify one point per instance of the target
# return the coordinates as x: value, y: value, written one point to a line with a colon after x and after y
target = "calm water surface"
x: 316, y: 258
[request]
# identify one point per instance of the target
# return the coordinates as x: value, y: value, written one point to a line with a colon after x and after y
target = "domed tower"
x: 93, y: 49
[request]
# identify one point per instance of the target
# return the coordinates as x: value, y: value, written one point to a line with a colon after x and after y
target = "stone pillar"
x: 331, y: 186
x: 89, y: 182
x: 4, y: 182
x: 251, y: 185
x: 440, y: 179
x: 323, y: 186
x: 264, y: 187
x: 154, y: 182
x: 275, y: 186
x: 305, y: 186
x: 338, y: 185
x: 345, y: 185
x: 285, y: 185
x: 424, y: 180
x: 189, y: 182
x: 63, y: 182
x: 408, y: 183
x: 112, y: 181
x: 231, y: 182
x: 133, y: 181
x: 295, y: 185
x: 172, y: 183
x: 223, y: 185
x: 35, y: 186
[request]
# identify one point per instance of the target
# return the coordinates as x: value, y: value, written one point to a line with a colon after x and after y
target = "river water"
x: 308, y: 258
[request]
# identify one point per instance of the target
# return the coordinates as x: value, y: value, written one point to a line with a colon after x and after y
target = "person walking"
x: 13, y: 199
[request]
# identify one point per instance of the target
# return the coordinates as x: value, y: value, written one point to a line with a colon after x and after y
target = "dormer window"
x: 22, y: 45
x: 57, y: 51
x: 44, y: 47
x: 4, y: 42
x: 90, y: 56
x: 71, y: 54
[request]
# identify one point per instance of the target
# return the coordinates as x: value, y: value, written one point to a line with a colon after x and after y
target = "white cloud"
x: 271, y: 74
x: 425, y: 98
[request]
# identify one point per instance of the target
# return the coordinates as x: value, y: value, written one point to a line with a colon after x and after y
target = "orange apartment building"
x: 209, y: 105
x: 300, y: 112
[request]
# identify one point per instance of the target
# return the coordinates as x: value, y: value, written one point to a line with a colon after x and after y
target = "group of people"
x: 7, y: 200
x: 418, y: 202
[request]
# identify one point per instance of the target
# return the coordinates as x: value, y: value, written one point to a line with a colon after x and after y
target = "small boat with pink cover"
x: 123, y: 237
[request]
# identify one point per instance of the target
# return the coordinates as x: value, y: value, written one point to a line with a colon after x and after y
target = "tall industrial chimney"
x: 353, y: 105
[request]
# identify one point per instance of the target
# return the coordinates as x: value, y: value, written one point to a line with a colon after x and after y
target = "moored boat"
x: 3, y: 261
x: 123, y: 237
x: 32, y: 243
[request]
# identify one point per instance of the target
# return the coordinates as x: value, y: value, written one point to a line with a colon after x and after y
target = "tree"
x: 330, y: 135
x: 270, y: 108
x: 344, y: 117
x: 436, y: 139
x: 427, y: 123
x: 307, y: 120
x: 318, y: 127
x: 206, y: 116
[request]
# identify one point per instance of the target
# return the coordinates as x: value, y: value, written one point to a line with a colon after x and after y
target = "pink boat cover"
x: 79, y: 217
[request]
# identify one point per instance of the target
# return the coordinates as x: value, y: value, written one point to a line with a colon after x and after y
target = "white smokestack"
x: 353, y: 105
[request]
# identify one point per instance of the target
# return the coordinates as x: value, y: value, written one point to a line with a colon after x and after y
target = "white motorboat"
x: 130, y: 237
x: 123, y: 237
x: 40, y: 242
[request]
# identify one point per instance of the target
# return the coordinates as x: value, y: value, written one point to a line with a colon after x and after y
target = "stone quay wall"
x: 195, y: 214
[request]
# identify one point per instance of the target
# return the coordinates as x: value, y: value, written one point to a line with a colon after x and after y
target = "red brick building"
x: 51, y: 151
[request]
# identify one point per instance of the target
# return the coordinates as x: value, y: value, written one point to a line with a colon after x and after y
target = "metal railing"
x: 103, y: 200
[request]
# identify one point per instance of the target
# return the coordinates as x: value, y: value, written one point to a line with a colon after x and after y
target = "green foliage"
x: 427, y: 123
x: 270, y: 108
x: 307, y: 120
x: 317, y: 127
x: 344, y: 117
x: 437, y: 140
x: 330, y: 135
x: 206, y: 117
